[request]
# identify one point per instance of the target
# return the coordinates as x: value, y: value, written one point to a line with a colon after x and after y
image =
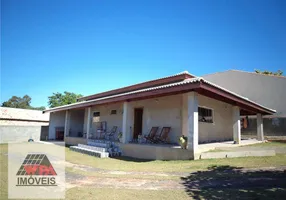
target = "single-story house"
x: 190, y: 105
x: 268, y: 90
x: 20, y: 125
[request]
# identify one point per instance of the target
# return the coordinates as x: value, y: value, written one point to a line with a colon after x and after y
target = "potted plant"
x: 183, y: 141
x: 120, y: 137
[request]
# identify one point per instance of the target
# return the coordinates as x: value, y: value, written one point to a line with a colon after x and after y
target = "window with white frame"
x: 205, y: 115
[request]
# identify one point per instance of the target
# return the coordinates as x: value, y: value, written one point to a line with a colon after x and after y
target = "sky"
x: 90, y: 46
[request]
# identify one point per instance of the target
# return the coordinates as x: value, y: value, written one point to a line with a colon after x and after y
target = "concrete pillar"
x: 192, y: 127
x: 88, y: 122
x: 67, y: 123
x: 126, y: 123
x: 260, y: 133
x: 184, y: 114
x: 236, y: 125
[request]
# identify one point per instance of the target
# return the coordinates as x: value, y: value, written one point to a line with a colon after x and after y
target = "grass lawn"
x: 128, y: 164
x: 108, y: 193
x: 201, y: 167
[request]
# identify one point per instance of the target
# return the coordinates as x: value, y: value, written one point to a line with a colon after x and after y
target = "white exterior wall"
x: 221, y: 129
x: 167, y: 111
x: 112, y: 120
x: 162, y: 112
x: 57, y: 119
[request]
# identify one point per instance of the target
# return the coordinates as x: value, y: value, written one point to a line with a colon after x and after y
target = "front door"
x: 138, y: 118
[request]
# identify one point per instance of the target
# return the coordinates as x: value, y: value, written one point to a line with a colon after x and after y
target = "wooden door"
x: 138, y: 119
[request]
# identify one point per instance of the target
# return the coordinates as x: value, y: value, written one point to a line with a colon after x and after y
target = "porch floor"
x: 202, y: 147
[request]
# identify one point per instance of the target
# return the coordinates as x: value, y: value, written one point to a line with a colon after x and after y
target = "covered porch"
x: 181, y: 112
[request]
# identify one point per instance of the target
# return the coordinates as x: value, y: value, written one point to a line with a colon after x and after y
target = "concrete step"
x: 103, y: 146
x: 90, y: 152
x: 99, y: 144
x: 101, y: 149
x: 115, y: 154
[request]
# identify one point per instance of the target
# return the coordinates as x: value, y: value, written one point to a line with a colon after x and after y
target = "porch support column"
x: 192, y: 122
x: 126, y: 122
x: 88, y: 122
x: 260, y: 133
x: 236, y: 125
x: 67, y: 123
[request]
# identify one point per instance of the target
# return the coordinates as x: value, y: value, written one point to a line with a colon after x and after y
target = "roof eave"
x: 131, y: 97
x: 200, y: 85
x: 152, y: 83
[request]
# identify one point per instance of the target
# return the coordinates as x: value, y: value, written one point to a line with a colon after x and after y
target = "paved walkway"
x: 227, y: 144
x: 277, y: 149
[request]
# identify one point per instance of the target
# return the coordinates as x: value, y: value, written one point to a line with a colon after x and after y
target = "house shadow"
x: 227, y: 182
x: 131, y: 159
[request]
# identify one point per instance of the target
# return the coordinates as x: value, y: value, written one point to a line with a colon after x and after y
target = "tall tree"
x: 18, y: 102
x: 59, y: 99
x: 278, y: 73
x: 21, y: 102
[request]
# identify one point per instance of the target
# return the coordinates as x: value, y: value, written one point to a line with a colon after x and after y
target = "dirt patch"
x: 218, y: 178
x: 127, y: 183
x: 77, y: 180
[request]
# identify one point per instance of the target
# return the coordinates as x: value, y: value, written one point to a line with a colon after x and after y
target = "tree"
x: 18, y: 102
x: 59, y: 99
x: 38, y: 108
x: 278, y: 73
